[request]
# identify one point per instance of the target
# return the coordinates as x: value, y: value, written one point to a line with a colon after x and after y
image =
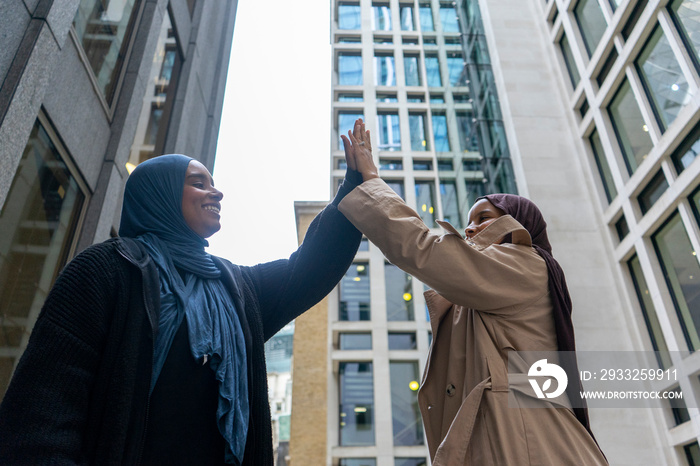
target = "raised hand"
x: 358, y: 151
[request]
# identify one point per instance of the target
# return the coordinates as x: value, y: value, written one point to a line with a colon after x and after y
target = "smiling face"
x: 201, y: 201
x: 481, y: 215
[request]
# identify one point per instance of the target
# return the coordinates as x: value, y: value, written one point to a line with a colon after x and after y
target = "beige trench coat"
x: 488, y: 300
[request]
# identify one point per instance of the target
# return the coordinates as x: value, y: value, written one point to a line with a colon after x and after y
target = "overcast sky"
x: 274, y: 140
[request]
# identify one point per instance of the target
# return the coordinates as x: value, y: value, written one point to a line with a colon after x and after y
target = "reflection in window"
x: 388, y: 134
x: 456, y: 70
x: 622, y: 228
x: 356, y: 403
x: 381, y: 18
x: 397, y: 187
x: 437, y: 99
x: 632, y: 133
x: 411, y: 71
x: 346, y: 121
x: 384, y: 72
x: 399, y: 294
x: 442, y: 143
x: 407, y: 23
x: 448, y: 18
x: 103, y: 29
x: 349, y: 16
x: 387, y: 98
x: 468, y: 139
x: 390, y: 164
x: 416, y: 126
x: 350, y: 98
x: 432, y: 71
x: 415, y: 98
x: 405, y: 414
x: 426, y: 18
x: 354, y: 293
x: 475, y: 189
x: 422, y: 165
x: 663, y: 78
x: 38, y: 222
x: 658, y: 342
x: 410, y: 462
x: 153, y: 124
x: 682, y: 274
x: 591, y: 23
x: 357, y: 462
x: 678, y: 406
x: 685, y: 12
x: 349, y: 69
x: 450, y: 208
x: 603, y: 168
x: 425, y: 202
x: 355, y: 341
x: 569, y: 61
x: 652, y: 192
x: 687, y: 151
x: 692, y: 453
x: 402, y: 341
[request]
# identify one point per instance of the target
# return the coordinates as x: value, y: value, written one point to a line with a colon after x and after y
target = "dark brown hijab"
x: 529, y: 216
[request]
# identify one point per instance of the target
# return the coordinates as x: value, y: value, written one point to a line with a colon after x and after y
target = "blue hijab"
x: 189, y: 289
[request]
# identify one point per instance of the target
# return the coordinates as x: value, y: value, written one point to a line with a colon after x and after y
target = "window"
x: 388, y: 133
x: 607, y: 66
x: 349, y: 69
x: 658, y: 342
x: 634, y: 17
x: 411, y: 71
x: 422, y: 165
x: 632, y: 133
x: 410, y: 462
x: 355, y: 341
x: 450, y: 207
x: 437, y: 99
x: 381, y: 17
x: 603, y: 167
x: 415, y: 98
x: 349, y: 16
x: 348, y: 39
x: 652, y: 192
x: 350, y: 98
x: 356, y: 403
x: 622, y: 228
x: 678, y: 406
x: 383, y: 40
x: 399, y: 294
x: 663, y: 79
x: 591, y: 23
x: 402, y: 341
x: 682, y: 274
x: 354, y: 293
x: 472, y: 165
x: 357, y: 462
x: 475, y: 189
x: 407, y: 23
x: 442, y: 144
x: 389, y: 98
x: 103, y: 29
x: 687, y: 151
x: 384, y: 72
x: 425, y: 202
x: 416, y: 126
x: 692, y: 453
x: 38, y: 224
x: 432, y: 70
x: 468, y: 140
x: 448, y: 18
x: 397, y: 187
x: 405, y: 414
x: 569, y: 61
x: 426, y: 18
x: 346, y: 121
x: 445, y: 165
x: 390, y: 164
x: 456, y: 70
x: 685, y: 14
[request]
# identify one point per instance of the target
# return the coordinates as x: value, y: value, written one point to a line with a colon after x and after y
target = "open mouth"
x: 212, y: 208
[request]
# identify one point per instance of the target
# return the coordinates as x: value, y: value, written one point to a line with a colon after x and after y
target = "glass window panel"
x: 402, y: 341
x: 349, y: 39
x: 591, y: 23
x: 426, y: 18
x: 405, y: 415
x: 569, y: 61
x: 425, y: 202
x: 632, y: 132
x: 384, y: 72
x: 38, y: 223
x: 415, y: 98
x: 658, y: 342
x: 410, y: 462
x: 472, y: 165
x: 349, y: 69
x: 445, y: 165
x: 437, y: 99
x: 399, y: 294
x: 442, y: 143
x: 682, y: 274
x: 355, y: 341
x: 354, y: 293
x: 622, y: 228
x: 468, y: 139
x: 678, y: 407
x: 409, y: 40
x: 349, y: 16
x: 686, y: 14
x: 388, y: 134
x: 615, y: 3
x: 475, y: 189
x: 103, y: 29
x: 450, y: 207
x: 429, y: 41
x: 346, y: 121
x: 381, y: 18
x: 422, y: 165
x: 387, y: 98
x: 356, y: 403
x: 411, y: 71
x: 662, y: 77
x: 153, y: 124
x: 687, y: 151
x: 397, y: 186
x: 652, y: 192
x: 390, y: 164
x: 350, y: 98
x: 603, y: 168
x: 607, y: 66
x: 448, y: 18
x: 634, y: 17
x: 407, y: 23
x: 416, y: 125
x: 692, y: 454
x: 432, y: 71
x: 357, y: 462
x: 456, y: 70
x: 364, y: 245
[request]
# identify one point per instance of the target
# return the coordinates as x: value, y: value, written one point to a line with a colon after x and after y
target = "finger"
x: 369, y: 140
x: 349, y: 153
x: 358, y: 129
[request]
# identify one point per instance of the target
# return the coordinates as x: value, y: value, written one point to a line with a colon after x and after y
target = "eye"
x: 198, y: 184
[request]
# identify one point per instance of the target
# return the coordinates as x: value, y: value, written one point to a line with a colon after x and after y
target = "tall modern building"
x: 89, y: 89
x: 591, y: 108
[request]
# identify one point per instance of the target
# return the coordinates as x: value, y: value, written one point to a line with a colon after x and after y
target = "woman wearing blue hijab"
x: 149, y: 350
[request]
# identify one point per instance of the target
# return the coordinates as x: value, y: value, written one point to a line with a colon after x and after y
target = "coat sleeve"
x: 491, y: 278
x: 288, y: 287
x: 44, y: 411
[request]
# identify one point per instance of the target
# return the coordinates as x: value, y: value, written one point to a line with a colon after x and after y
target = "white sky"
x: 274, y: 140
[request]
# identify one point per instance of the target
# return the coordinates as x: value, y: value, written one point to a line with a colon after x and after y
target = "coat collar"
x: 494, y: 232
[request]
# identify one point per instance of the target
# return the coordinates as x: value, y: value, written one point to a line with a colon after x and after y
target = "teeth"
x: 212, y: 208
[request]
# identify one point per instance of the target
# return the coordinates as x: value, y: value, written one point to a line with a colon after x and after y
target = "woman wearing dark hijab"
x: 495, y: 293
x: 149, y: 350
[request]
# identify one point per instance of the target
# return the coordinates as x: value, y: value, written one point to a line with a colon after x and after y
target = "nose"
x: 470, y: 230
x: 216, y: 194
